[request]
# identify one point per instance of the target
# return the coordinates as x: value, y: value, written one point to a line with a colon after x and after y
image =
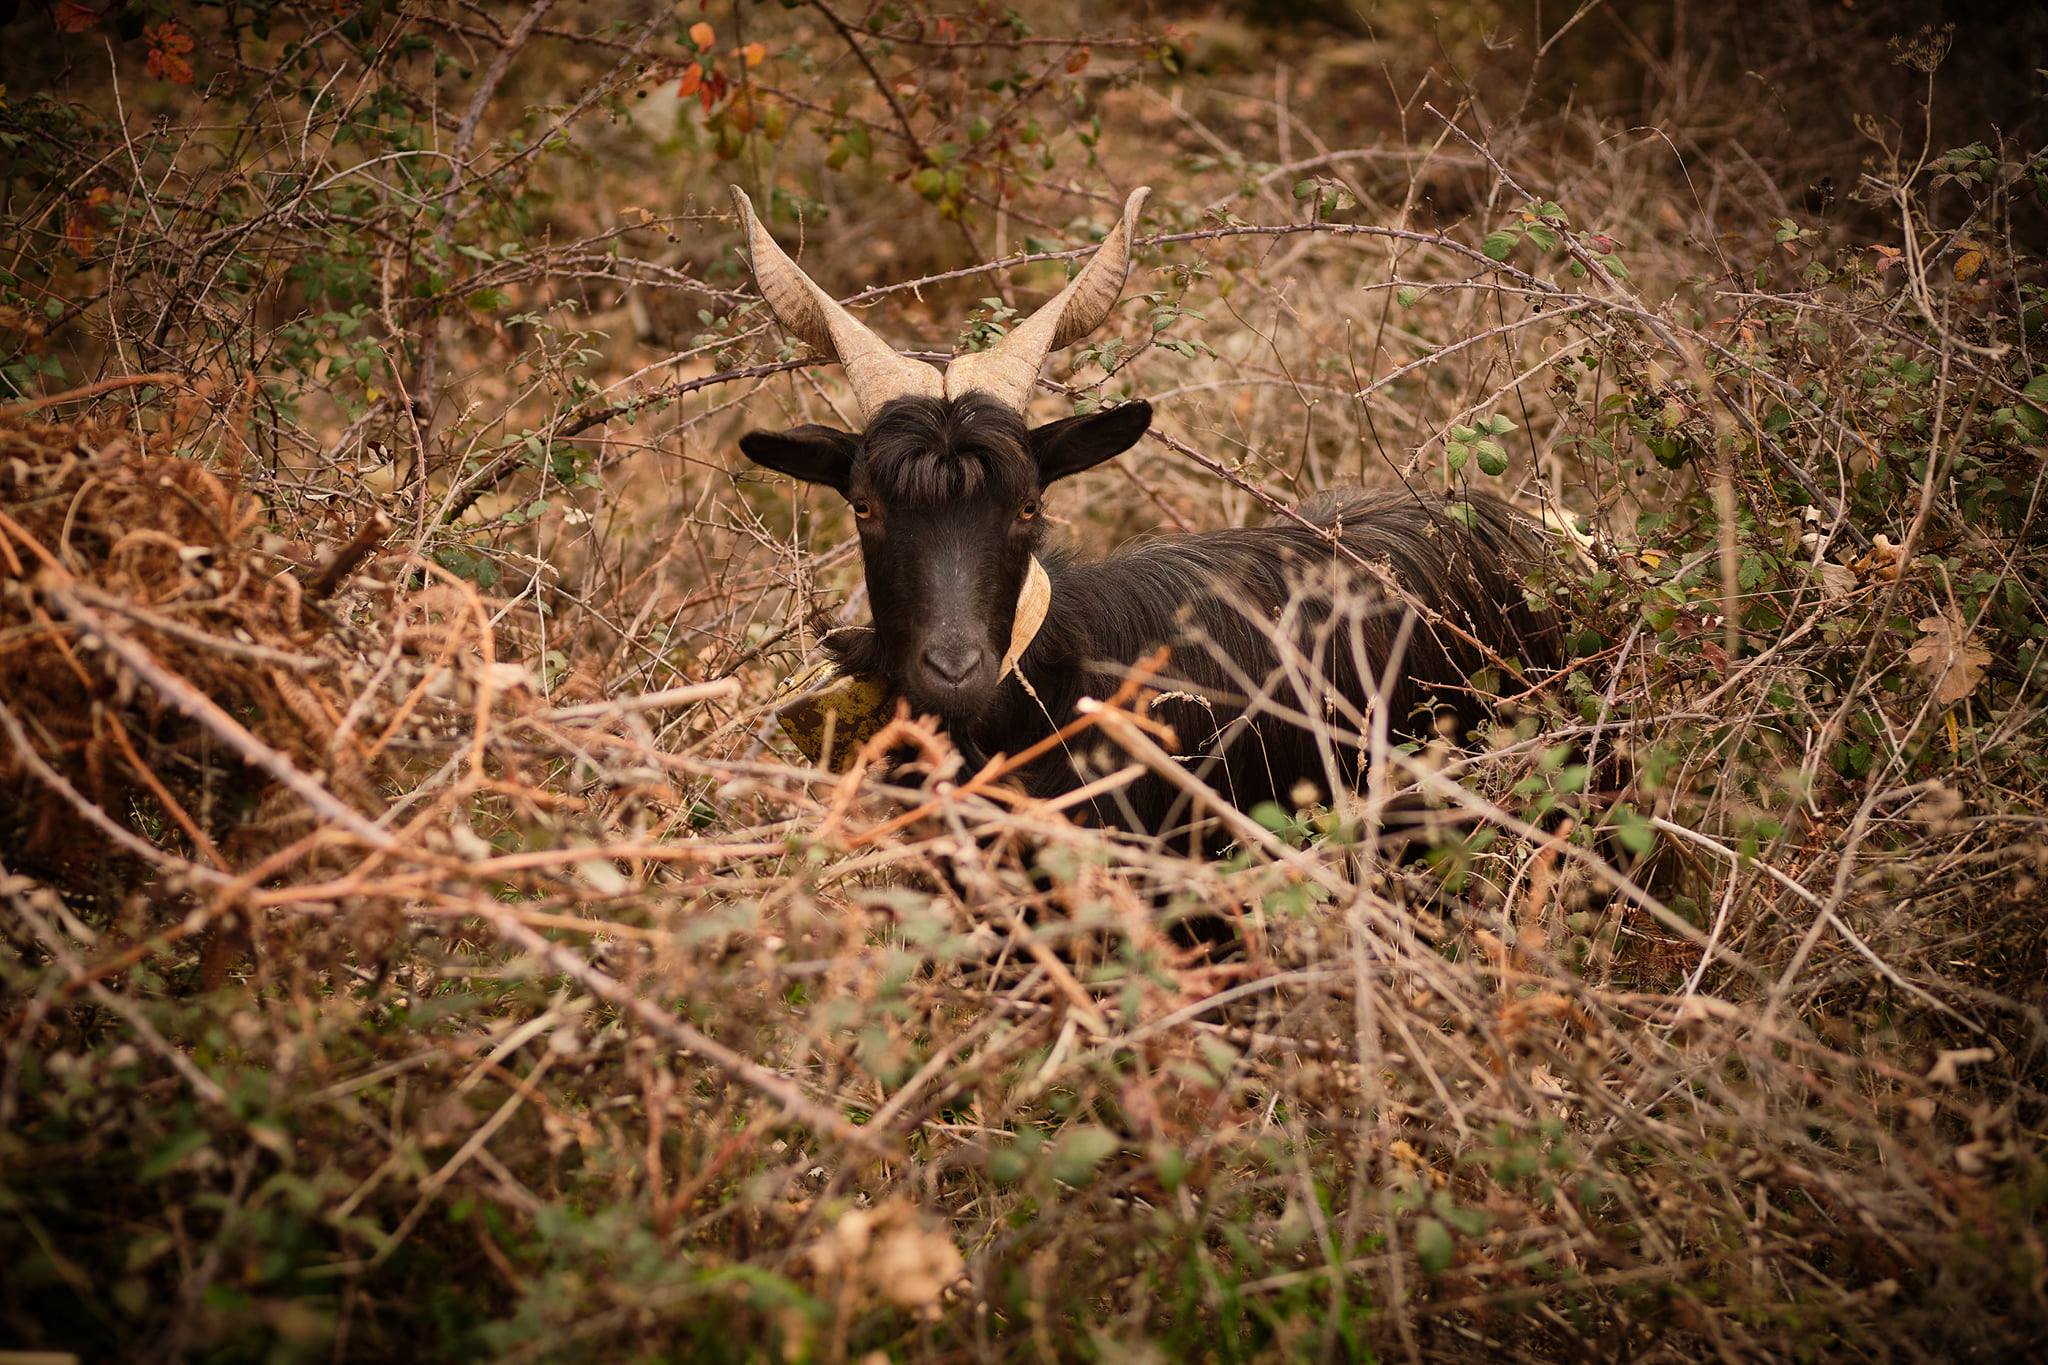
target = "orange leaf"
x: 754, y: 53
x: 169, y: 66
x: 703, y: 35
x: 79, y: 233
x: 1968, y: 264
x: 1077, y: 62
x: 693, y: 76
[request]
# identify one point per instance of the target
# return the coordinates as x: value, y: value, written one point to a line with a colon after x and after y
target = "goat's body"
x: 1281, y: 637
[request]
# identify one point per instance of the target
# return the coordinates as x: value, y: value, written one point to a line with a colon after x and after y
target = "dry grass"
x: 421, y: 938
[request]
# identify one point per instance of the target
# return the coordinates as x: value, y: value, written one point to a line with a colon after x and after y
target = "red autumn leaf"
x: 948, y: 30
x: 1077, y: 62
x: 170, y: 38
x: 83, y: 219
x: 693, y: 76
x: 168, y: 45
x: 74, y: 17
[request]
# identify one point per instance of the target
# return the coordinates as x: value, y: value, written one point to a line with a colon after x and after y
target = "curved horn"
x: 1008, y: 370
x: 873, y: 368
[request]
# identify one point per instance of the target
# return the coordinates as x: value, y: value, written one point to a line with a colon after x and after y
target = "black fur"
x: 1282, y: 610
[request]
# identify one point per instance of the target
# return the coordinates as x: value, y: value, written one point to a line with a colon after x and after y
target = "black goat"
x: 1281, y: 635
x: 1276, y: 631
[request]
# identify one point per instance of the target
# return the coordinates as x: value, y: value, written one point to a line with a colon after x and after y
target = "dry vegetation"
x: 421, y: 942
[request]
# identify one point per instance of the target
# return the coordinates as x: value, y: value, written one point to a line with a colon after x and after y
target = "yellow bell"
x: 829, y: 713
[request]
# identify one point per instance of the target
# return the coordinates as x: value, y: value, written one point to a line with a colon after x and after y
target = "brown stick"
x: 360, y: 547
x: 83, y: 391
x: 330, y: 808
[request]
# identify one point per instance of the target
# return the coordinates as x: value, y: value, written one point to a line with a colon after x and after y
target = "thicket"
x: 421, y: 941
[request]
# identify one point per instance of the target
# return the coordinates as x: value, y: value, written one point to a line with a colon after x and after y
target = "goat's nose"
x: 953, y: 663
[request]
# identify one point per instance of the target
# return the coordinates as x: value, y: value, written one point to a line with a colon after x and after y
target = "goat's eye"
x: 1028, y: 510
x: 863, y: 509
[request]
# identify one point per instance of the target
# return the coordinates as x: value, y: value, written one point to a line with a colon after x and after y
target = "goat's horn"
x: 1008, y: 370
x: 875, y: 371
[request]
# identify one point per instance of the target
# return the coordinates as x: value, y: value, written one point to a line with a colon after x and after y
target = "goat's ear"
x: 1073, y: 444
x: 813, y: 454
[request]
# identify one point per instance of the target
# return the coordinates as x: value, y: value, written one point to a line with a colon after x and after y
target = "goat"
x: 1391, y: 599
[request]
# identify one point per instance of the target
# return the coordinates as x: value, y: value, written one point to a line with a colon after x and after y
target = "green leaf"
x: 171, y: 1153
x: 1080, y: 1150
x: 1500, y: 245
x: 2036, y: 393
x: 1407, y: 295
x: 1632, y: 831
x: 1433, y: 1246
x: 1492, y: 458
x: 1304, y: 188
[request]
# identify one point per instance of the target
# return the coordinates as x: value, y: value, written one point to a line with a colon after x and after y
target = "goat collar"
x: 1033, y: 602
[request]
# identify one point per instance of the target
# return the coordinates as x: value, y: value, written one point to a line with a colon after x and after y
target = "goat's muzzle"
x: 955, y: 673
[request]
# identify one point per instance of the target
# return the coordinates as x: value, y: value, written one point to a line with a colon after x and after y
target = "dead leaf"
x: 1948, y: 655
x: 891, y: 1252
x: 1883, y: 559
x: 1948, y: 1066
x: 1968, y: 264
x: 1836, y: 580
x: 1033, y: 601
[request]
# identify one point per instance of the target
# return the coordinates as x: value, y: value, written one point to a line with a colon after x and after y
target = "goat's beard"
x: 960, y: 715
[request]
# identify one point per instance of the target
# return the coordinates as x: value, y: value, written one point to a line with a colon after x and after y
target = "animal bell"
x: 829, y: 713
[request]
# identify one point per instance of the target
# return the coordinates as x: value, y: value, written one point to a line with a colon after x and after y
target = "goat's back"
x: 1285, y: 639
